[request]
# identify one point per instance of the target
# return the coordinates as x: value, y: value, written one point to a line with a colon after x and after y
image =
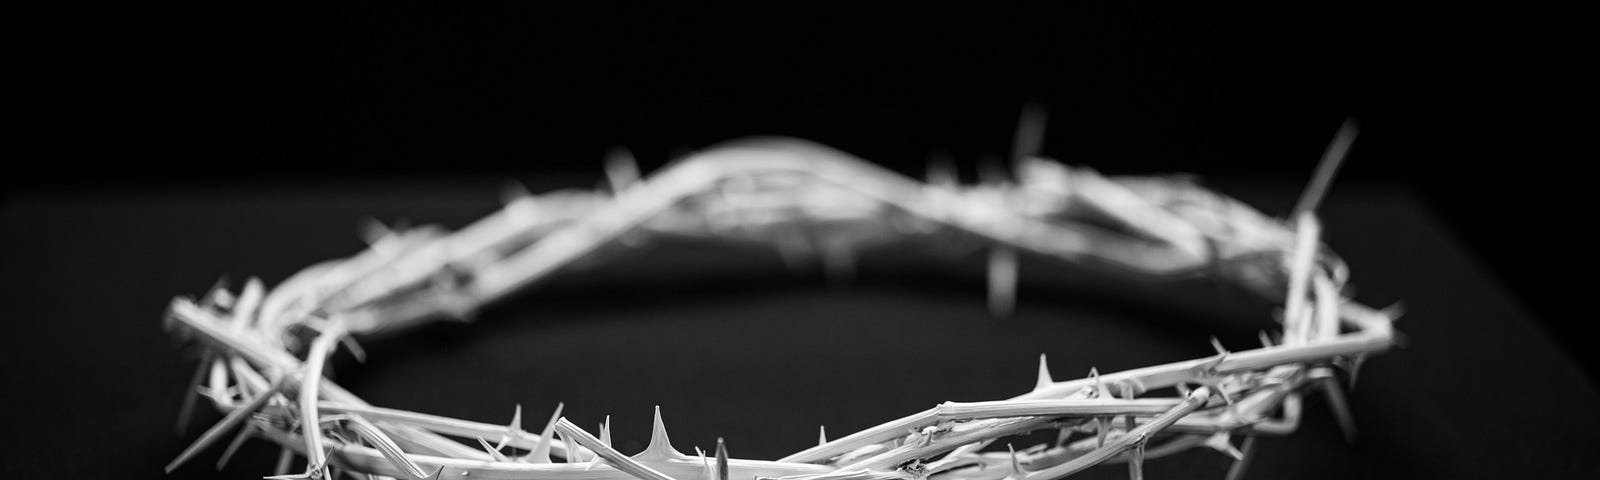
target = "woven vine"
x: 264, y: 351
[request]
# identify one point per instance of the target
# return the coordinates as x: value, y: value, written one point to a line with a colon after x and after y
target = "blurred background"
x: 1478, y: 122
x: 1487, y: 115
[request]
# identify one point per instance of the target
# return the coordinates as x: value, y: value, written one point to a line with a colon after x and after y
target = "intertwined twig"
x: 804, y: 200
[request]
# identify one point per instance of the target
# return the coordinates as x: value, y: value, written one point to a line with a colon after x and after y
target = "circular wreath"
x: 264, y: 351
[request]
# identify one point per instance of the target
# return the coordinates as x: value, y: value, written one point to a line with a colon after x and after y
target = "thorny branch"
x: 796, y: 196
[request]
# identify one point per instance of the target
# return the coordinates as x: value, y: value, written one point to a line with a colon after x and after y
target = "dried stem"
x: 775, y: 192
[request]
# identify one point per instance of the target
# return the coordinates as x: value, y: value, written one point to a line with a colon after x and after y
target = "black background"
x: 1485, y: 116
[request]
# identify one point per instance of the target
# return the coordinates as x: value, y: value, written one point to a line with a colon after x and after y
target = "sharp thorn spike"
x: 991, y: 172
x: 660, y: 447
x: 512, y: 429
x: 512, y: 191
x: 605, y: 431
x: 941, y: 172
x: 711, y: 473
x: 1352, y: 366
x: 1394, y: 312
x: 492, y: 451
x: 541, y: 452
x: 1338, y: 148
x: 239, y: 415
x: 1030, y: 131
x: 1016, y: 465
x: 822, y: 434
x: 622, y: 171
x: 573, y: 455
x: 1236, y: 471
x: 1136, y: 462
x: 1221, y: 442
x: 217, y: 295
x: 1341, y: 408
x: 356, y: 351
x: 1044, y: 379
x: 722, y: 459
x: 186, y: 410
x: 1101, y: 425
x: 233, y: 447
x: 1100, y: 389
x: 374, y: 231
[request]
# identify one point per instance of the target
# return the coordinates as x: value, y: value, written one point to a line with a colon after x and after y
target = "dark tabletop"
x: 731, y: 343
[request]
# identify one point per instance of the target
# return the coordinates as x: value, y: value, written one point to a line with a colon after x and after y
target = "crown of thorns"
x: 264, y: 351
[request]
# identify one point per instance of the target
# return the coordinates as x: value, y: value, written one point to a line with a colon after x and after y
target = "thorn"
x: 212, y: 298
x: 1101, y: 425
x: 660, y: 447
x: 1062, y: 434
x: 541, y: 452
x: 234, y: 418
x: 1395, y: 311
x: 991, y: 172
x: 1266, y: 340
x: 1016, y: 465
x: 1236, y: 472
x: 220, y: 296
x: 233, y: 447
x: 1209, y: 366
x: 622, y: 171
x: 186, y: 411
x: 513, y: 190
x: 711, y: 473
x: 356, y: 351
x: 822, y: 435
x: 722, y: 459
x: 941, y: 172
x: 512, y: 429
x: 493, y: 451
x: 1127, y: 393
x: 1002, y: 281
x: 573, y: 454
x: 1341, y: 408
x: 313, y: 471
x: 1044, y: 374
x: 1136, y: 462
x: 373, y: 231
x: 605, y: 431
x: 1100, y: 389
x: 1331, y: 159
x: 1221, y: 442
x: 1030, y: 132
x: 1351, y: 366
x: 1217, y: 344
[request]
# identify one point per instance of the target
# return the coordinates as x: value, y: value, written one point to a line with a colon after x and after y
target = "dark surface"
x: 732, y: 345
x: 1487, y: 114
x: 171, y: 144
